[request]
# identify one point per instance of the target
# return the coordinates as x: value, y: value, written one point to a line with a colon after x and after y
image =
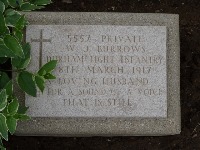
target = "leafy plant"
x: 13, y: 47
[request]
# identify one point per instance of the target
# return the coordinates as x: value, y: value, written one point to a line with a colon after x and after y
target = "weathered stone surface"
x: 157, y: 114
x: 103, y: 71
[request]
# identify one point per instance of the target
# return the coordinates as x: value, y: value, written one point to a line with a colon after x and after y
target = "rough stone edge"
x: 115, y: 126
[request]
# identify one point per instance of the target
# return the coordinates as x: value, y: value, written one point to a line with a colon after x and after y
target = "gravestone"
x: 117, y: 74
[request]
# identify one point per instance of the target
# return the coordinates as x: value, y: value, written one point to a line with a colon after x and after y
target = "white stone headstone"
x: 102, y: 71
x: 118, y: 74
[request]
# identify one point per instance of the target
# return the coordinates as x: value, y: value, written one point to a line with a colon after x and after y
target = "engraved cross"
x: 40, y: 40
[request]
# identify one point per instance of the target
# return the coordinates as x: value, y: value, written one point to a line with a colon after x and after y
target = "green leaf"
x: 26, y: 83
x: 3, y: 27
x: 12, y: 20
x: 49, y: 76
x: 11, y: 124
x: 21, y: 117
x: 21, y: 23
x: 41, y: 2
x: 1, y: 145
x: 18, y: 34
x: 3, y: 100
x: 1, y: 142
x: 42, y: 73
x: 12, y: 17
x: 19, y: 2
x: 13, y: 107
x: 21, y: 63
x: 22, y: 109
x: 13, y: 3
x: 2, y: 7
x: 28, y: 7
x: 5, y: 111
x: 40, y: 82
x: 9, y: 88
x: 3, y: 127
x: 12, y: 43
x: 10, y: 12
x: 3, y: 59
x: 4, y: 79
x: 48, y: 67
x: 5, y: 51
x: 5, y: 2
x: 2, y: 148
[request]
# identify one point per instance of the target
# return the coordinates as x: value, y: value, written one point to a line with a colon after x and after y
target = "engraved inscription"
x: 103, y: 71
x: 40, y: 40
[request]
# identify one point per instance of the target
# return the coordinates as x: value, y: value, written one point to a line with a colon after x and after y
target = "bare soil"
x: 189, y: 139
